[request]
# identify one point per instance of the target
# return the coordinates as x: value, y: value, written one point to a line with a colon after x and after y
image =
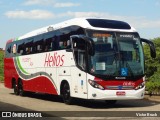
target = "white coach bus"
x: 87, y: 58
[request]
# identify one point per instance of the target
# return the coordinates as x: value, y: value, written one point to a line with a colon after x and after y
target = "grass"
x: 1, y: 66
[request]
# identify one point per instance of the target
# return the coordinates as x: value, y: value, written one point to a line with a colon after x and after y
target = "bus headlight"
x: 95, y: 85
x: 140, y: 86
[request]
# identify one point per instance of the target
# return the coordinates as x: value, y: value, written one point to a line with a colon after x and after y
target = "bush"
x: 1, y: 78
x: 153, y: 88
x: 152, y: 68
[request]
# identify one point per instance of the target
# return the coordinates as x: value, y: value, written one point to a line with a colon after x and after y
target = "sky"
x: 18, y: 17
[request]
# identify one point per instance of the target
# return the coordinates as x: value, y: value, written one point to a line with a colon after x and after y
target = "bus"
x: 87, y: 58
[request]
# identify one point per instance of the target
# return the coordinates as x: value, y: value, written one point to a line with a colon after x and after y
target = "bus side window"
x: 57, y: 42
x: 39, y: 46
x: 64, y: 37
x: 14, y: 48
x: 48, y: 45
x: 8, y: 50
x: 21, y: 48
x: 68, y: 44
x: 54, y: 44
x: 28, y: 50
x: 28, y: 47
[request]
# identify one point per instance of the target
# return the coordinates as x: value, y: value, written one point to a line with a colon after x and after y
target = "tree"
x: 152, y: 67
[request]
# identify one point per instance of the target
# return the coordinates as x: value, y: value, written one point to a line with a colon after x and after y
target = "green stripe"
x: 20, y: 66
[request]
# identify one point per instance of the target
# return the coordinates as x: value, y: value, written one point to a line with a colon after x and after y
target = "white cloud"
x: 53, y: 3
x: 85, y: 14
x: 137, y: 22
x: 38, y: 2
x: 69, y: 4
x: 33, y: 14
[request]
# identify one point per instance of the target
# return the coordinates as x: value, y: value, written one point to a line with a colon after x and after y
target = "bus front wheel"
x: 66, y: 94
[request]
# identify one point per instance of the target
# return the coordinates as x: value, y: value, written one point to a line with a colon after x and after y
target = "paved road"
x: 45, y: 103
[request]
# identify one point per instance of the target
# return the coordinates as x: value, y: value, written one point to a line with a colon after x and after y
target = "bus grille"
x: 119, y: 87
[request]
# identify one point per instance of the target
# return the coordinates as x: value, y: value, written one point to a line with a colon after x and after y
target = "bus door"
x: 79, y: 76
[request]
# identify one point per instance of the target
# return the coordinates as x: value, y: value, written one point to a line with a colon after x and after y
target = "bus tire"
x: 15, y: 88
x: 66, y: 94
x: 20, y: 88
x: 110, y: 102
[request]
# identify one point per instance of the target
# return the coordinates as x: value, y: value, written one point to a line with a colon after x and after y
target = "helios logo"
x: 129, y: 83
x: 52, y: 60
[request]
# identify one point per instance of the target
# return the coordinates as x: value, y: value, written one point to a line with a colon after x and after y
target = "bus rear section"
x: 9, y: 69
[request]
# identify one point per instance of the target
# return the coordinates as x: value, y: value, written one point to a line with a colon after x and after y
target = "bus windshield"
x: 117, y: 54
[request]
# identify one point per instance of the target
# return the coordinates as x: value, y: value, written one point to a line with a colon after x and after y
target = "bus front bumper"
x: 98, y: 94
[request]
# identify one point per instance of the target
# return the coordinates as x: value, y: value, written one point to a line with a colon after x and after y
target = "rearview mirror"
x: 152, y: 47
x: 80, y: 42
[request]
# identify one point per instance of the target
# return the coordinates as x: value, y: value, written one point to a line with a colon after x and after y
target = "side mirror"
x: 80, y: 41
x: 152, y: 47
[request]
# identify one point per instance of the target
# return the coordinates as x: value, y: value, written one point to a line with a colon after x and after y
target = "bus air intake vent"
x: 120, y: 87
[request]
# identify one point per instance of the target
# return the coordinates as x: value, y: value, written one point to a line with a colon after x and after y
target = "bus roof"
x: 90, y: 23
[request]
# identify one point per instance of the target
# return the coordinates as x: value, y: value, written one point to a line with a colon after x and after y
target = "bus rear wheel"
x: 15, y: 88
x: 21, y: 91
x: 66, y: 94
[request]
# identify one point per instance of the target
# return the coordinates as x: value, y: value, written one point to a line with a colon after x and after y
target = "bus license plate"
x: 120, y: 93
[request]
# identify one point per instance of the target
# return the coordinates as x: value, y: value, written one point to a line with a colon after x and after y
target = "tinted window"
x: 8, y: 50
x: 50, y: 41
x: 65, y: 34
x: 29, y: 46
x: 38, y: 44
x: 102, y: 23
x: 14, y: 49
x: 64, y: 38
x: 21, y: 47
